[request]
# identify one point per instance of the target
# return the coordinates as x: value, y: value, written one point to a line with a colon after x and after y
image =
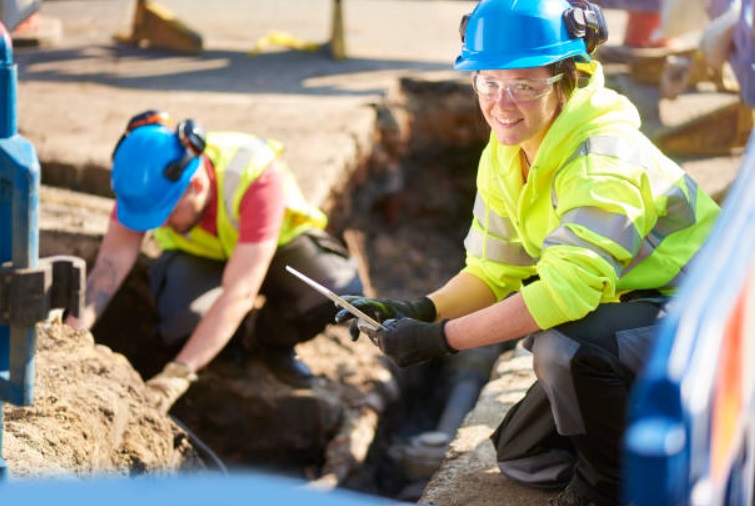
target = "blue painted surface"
x: 185, y: 490
x: 668, y: 441
x: 743, y: 56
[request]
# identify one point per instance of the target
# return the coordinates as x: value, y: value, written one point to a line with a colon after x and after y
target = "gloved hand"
x: 164, y: 389
x: 422, y: 309
x: 408, y: 341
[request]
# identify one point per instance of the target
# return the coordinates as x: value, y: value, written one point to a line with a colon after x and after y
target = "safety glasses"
x: 522, y: 90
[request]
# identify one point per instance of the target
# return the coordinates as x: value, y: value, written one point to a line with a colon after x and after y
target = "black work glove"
x: 422, y: 309
x: 408, y: 341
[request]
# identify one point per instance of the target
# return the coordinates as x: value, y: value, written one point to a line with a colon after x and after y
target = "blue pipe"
x: 19, y: 235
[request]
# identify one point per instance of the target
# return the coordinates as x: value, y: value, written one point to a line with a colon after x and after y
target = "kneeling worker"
x: 229, y: 217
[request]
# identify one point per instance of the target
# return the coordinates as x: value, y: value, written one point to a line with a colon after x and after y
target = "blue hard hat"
x: 511, y: 34
x: 151, y: 171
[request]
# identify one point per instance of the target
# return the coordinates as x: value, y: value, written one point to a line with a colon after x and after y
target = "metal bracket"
x: 28, y: 295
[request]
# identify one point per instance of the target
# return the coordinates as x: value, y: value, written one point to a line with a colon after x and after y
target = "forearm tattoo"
x: 101, y: 285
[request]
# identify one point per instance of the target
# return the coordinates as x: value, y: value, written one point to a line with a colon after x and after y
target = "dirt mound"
x: 88, y: 416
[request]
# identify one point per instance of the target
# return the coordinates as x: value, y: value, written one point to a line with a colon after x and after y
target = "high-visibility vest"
x: 603, y: 212
x: 238, y: 160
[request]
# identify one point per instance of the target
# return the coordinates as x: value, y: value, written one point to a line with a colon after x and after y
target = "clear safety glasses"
x: 526, y: 89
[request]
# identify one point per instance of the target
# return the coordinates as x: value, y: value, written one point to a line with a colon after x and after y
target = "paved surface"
x: 74, y: 99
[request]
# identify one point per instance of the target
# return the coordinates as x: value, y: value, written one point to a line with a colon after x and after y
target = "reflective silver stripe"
x: 493, y: 239
x: 491, y: 220
x: 233, y: 173
x: 562, y: 236
x: 255, y: 147
x: 680, y: 207
x: 680, y: 215
x: 617, y: 147
x: 615, y: 227
x: 487, y: 247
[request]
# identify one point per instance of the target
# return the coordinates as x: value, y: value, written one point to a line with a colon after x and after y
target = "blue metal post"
x: 19, y: 235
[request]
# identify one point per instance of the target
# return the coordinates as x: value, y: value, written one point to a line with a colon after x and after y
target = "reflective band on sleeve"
x: 562, y: 236
x: 491, y: 220
x: 490, y: 238
x: 616, y: 147
x: 615, y: 227
x: 489, y: 248
x: 680, y: 210
x: 680, y: 207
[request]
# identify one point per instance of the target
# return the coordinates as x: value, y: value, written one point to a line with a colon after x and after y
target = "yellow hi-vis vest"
x: 603, y: 212
x: 239, y: 159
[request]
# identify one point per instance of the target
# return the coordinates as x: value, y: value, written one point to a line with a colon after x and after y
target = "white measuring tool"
x: 366, y: 319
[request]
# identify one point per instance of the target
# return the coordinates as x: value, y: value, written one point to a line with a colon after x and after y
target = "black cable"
x: 204, y: 450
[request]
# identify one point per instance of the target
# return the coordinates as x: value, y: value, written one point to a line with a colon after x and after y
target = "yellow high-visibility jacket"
x: 239, y: 159
x: 603, y: 212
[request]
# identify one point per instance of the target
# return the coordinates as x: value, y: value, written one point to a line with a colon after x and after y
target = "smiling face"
x: 522, y: 123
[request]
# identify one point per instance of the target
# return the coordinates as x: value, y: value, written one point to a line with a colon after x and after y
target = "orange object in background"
x: 640, y: 29
x: 30, y: 24
x: 728, y: 395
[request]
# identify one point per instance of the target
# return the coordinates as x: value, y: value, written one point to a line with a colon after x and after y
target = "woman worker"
x: 581, y: 231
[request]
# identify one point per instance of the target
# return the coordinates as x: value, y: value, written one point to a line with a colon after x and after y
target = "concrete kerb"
x: 469, y: 474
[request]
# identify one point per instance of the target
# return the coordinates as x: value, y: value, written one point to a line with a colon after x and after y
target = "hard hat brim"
x: 469, y: 61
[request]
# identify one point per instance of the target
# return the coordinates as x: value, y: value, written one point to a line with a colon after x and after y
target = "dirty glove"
x: 165, y: 388
x: 408, y: 341
x: 422, y: 309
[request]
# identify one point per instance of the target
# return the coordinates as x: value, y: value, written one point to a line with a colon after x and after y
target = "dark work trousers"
x: 568, y: 428
x: 185, y: 287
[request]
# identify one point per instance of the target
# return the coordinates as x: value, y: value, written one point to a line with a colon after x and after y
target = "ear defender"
x: 585, y: 20
x: 190, y: 135
x: 463, y: 27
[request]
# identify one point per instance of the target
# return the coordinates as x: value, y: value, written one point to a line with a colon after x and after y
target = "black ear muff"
x: 585, y: 20
x: 175, y: 169
x: 463, y: 27
x: 192, y: 136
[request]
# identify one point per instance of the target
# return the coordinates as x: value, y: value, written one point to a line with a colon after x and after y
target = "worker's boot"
x: 284, y: 365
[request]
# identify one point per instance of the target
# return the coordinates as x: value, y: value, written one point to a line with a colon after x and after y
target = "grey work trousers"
x: 185, y: 287
x: 568, y: 428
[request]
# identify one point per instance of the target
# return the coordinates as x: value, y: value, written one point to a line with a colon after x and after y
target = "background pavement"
x: 76, y: 97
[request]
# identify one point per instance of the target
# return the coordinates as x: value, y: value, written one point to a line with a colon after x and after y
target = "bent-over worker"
x: 229, y: 217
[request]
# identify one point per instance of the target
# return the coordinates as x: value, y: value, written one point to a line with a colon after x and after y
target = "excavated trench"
x: 404, y: 216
